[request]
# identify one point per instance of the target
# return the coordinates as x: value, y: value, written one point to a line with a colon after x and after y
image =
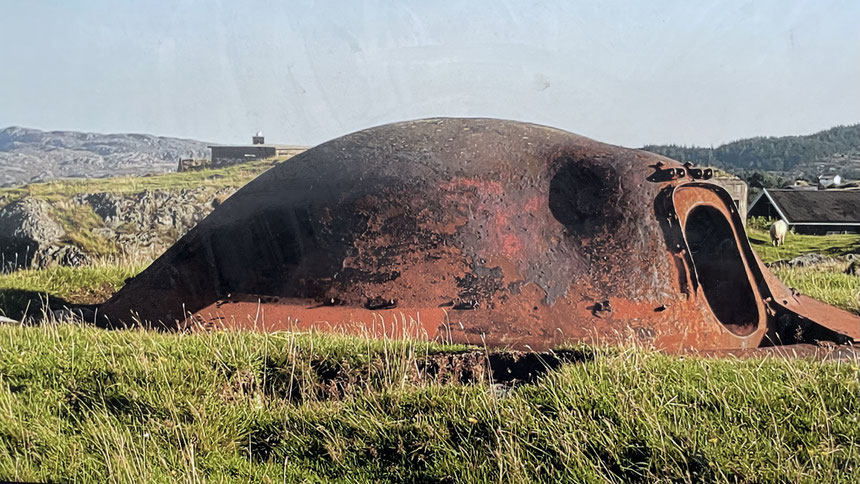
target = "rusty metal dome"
x: 479, y: 231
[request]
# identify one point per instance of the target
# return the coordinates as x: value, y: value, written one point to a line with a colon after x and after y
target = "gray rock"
x: 152, y: 219
x: 63, y: 255
x: 72, y: 315
x: 804, y: 260
x: 149, y: 221
x: 5, y: 320
x: 809, y: 260
x: 27, y: 231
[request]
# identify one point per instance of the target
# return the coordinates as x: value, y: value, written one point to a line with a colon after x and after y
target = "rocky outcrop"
x: 815, y: 259
x: 151, y: 220
x: 804, y: 260
x: 27, y: 233
x: 158, y: 210
x: 31, y: 235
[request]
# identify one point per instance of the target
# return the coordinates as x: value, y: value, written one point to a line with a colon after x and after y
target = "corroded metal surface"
x: 479, y: 231
x: 824, y: 352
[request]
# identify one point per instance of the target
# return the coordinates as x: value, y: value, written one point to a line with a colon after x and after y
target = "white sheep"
x: 777, y: 233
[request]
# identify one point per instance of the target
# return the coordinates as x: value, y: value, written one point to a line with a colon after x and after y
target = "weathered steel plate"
x: 479, y: 231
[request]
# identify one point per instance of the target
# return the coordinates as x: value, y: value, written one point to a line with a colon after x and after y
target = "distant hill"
x: 837, y: 148
x: 30, y: 155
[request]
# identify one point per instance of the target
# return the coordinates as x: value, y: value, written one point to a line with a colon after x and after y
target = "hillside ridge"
x: 835, y: 149
x: 30, y: 155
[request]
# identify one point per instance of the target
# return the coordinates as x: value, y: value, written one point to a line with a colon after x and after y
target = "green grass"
x: 80, y: 404
x: 827, y: 283
x: 63, y: 190
x: 795, y: 245
x: 29, y: 290
x: 78, y: 222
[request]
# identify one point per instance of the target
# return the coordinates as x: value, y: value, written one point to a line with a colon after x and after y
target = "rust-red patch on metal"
x: 479, y: 231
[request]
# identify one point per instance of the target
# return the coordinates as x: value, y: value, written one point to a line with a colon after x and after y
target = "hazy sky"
x: 628, y: 72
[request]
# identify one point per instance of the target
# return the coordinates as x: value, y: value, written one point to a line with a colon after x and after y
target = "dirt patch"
x: 511, y: 367
x: 96, y: 294
x: 296, y: 380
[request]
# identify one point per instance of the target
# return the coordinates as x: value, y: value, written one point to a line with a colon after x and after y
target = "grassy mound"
x: 234, y: 176
x: 83, y: 404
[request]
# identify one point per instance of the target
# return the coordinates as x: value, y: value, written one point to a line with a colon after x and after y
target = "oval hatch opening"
x: 721, y: 270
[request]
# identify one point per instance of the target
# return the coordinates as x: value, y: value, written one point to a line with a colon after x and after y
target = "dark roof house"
x: 811, y: 211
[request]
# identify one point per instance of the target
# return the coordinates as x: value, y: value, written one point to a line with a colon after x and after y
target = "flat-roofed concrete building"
x: 257, y: 150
